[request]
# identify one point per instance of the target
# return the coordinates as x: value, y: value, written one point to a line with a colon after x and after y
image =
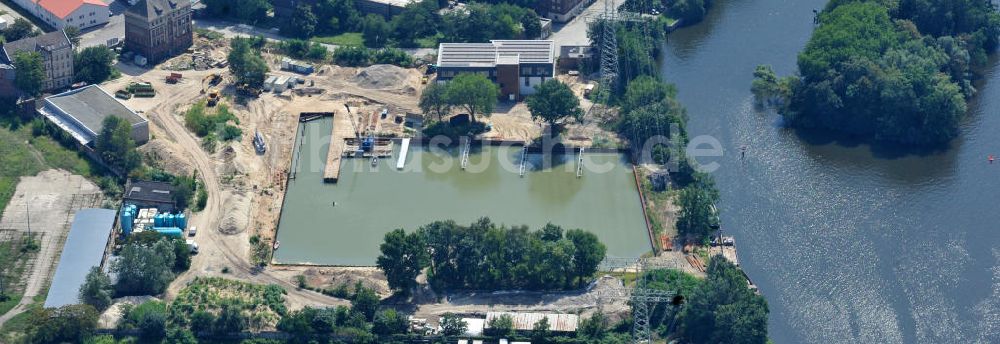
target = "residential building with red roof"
x: 61, y: 14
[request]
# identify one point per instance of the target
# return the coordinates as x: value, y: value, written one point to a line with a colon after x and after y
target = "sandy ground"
x: 53, y: 196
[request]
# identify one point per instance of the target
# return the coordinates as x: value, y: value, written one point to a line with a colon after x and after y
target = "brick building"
x: 57, y: 57
x: 159, y: 29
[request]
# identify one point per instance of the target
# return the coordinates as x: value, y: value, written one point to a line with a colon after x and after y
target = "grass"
x: 13, y: 263
x: 430, y: 41
x: 23, y: 154
x: 353, y: 39
x: 17, y: 325
x: 264, y: 305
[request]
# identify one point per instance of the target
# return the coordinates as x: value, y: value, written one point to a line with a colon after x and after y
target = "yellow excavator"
x: 206, y: 84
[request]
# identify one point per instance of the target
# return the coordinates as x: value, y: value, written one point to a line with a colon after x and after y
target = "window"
x: 527, y: 81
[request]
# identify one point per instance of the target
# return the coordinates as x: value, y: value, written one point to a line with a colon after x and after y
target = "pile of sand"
x: 382, y: 77
x: 236, y: 214
x: 168, y: 156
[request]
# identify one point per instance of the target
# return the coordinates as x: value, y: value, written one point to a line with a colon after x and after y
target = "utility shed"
x: 84, y: 249
x: 81, y: 113
x: 526, y: 321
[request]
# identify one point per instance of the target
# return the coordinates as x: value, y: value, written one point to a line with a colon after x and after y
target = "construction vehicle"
x: 247, y: 91
x: 173, y: 78
x: 213, y: 97
x: 211, y: 80
x: 123, y: 94
x: 258, y: 142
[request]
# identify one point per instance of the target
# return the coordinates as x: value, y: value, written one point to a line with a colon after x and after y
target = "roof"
x: 50, y: 41
x: 495, y: 52
x: 152, y: 9
x: 149, y: 191
x: 84, y: 249
x: 82, y: 111
x: 526, y: 321
x: 62, y: 8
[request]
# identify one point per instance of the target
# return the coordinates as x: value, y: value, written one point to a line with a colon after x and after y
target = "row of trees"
x: 895, y: 71
x: 485, y: 256
x: 92, y: 65
x: 472, y: 92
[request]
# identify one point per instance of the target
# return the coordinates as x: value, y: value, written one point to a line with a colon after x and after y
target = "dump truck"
x: 141, y: 89
x: 123, y: 94
x: 173, y: 78
x: 213, y: 97
x: 212, y: 80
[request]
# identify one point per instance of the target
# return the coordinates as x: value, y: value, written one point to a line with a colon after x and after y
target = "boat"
x: 374, y: 161
x: 276, y: 244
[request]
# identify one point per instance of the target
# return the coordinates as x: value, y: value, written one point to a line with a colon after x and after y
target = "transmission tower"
x: 642, y: 298
x: 609, y: 50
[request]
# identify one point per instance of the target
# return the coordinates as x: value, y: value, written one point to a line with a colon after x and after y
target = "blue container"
x: 168, y: 220
x: 169, y: 231
x: 158, y: 220
x: 126, y: 222
x: 180, y: 221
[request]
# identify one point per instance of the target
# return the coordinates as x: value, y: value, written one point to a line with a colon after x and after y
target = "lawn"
x: 13, y: 262
x: 23, y: 154
x: 345, y: 39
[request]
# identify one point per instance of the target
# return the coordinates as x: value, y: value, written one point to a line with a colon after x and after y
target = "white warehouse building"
x: 60, y: 14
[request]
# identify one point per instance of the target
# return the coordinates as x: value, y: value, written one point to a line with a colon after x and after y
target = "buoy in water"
x: 990, y: 158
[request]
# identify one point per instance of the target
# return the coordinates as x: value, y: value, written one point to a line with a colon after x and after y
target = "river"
x: 849, y: 243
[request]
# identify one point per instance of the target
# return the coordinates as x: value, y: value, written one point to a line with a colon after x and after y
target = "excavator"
x: 213, y: 94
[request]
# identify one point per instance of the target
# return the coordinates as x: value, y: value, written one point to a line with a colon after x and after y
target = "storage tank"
x: 180, y: 221
x: 126, y: 222
x: 169, y: 231
x: 168, y: 220
x: 158, y: 220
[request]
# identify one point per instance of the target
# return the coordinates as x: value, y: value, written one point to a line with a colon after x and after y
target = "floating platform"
x: 333, y: 156
x: 402, y: 154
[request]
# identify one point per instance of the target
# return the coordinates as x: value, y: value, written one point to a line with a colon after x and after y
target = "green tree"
x: 402, y: 259
x: 452, y: 325
x: 375, y: 31
x: 149, y: 318
x: 19, y: 29
x: 594, y: 327
x: 418, y: 19
x: 389, y: 322
x: 365, y: 301
x: 588, y: 254
x: 433, y: 100
x: 230, y: 320
x: 473, y: 92
x: 202, y: 322
x: 723, y: 309
x: 180, y: 335
x: 246, y: 11
x: 94, y: 65
x: 73, y: 33
x: 71, y: 323
x: 697, y: 217
x: 144, y: 270
x: 97, y: 289
x: 115, y: 146
x: 338, y: 16
x: 301, y: 24
x: 246, y: 64
x: 501, y: 326
x: 29, y: 72
x: 553, y: 101
x: 540, y: 331
x: 352, y: 56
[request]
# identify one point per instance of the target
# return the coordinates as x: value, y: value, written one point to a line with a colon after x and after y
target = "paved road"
x: 575, y: 31
x: 114, y: 28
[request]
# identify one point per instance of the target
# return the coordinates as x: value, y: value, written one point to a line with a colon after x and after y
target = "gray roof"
x: 152, y: 9
x: 149, y: 191
x: 50, y: 41
x: 497, y: 51
x: 82, y: 111
x: 84, y: 249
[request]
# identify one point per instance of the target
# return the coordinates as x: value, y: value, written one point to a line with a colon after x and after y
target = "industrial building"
x: 527, y: 321
x: 159, y: 29
x: 57, y: 58
x: 63, y: 13
x: 150, y: 194
x: 517, y: 66
x: 85, y: 245
x: 81, y: 113
x: 561, y: 11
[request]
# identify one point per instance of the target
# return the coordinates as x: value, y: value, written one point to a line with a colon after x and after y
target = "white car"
x: 192, y: 231
x: 193, y: 246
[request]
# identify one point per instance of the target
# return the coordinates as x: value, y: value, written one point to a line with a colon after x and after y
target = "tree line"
x: 487, y: 256
x: 891, y: 71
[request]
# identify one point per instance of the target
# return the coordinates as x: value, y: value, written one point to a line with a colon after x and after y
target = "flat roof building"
x: 150, y: 194
x: 81, y: 113
x: 84, y: 249
x: 517, y: 66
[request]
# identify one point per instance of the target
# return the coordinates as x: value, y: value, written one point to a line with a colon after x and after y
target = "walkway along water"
x: 849, y: 243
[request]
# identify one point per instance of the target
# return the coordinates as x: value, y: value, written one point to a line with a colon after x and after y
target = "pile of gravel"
x: 381, y: 77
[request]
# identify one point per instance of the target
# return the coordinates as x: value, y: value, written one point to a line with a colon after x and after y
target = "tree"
x: 553, y: 101
x: 301, y: 24
x: 180, y: 335
x: 594, y: 327
x: 94, y: 65
x: 540, y: 331
x: 375, y: 31
x: 73, y: 33
x: 588, y: 254
x: 473, y: 92
x: 245, y: 63
x: 97, y: 289
x: 19, y: 29
x: 247, y: 11
x: 403, y: 257
x: 71, y: 323
x: 29, y: 72
x: 365, y: 301
x: 452, y: 325
x: 697, y: 217
x: 149, y: 318
x: 339, y: 16
x: 389, y: 322
x: 723, y: 309
x: 230, y: 320
x: 115, y: 146
x: 418, y: 19
x: 501, y: 326
x: 144, y: 270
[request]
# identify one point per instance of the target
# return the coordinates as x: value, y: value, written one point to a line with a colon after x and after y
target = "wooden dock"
x: 341, y: 130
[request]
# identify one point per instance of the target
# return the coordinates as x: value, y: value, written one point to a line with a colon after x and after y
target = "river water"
x: 432, y: 186
x: 849, y: 243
